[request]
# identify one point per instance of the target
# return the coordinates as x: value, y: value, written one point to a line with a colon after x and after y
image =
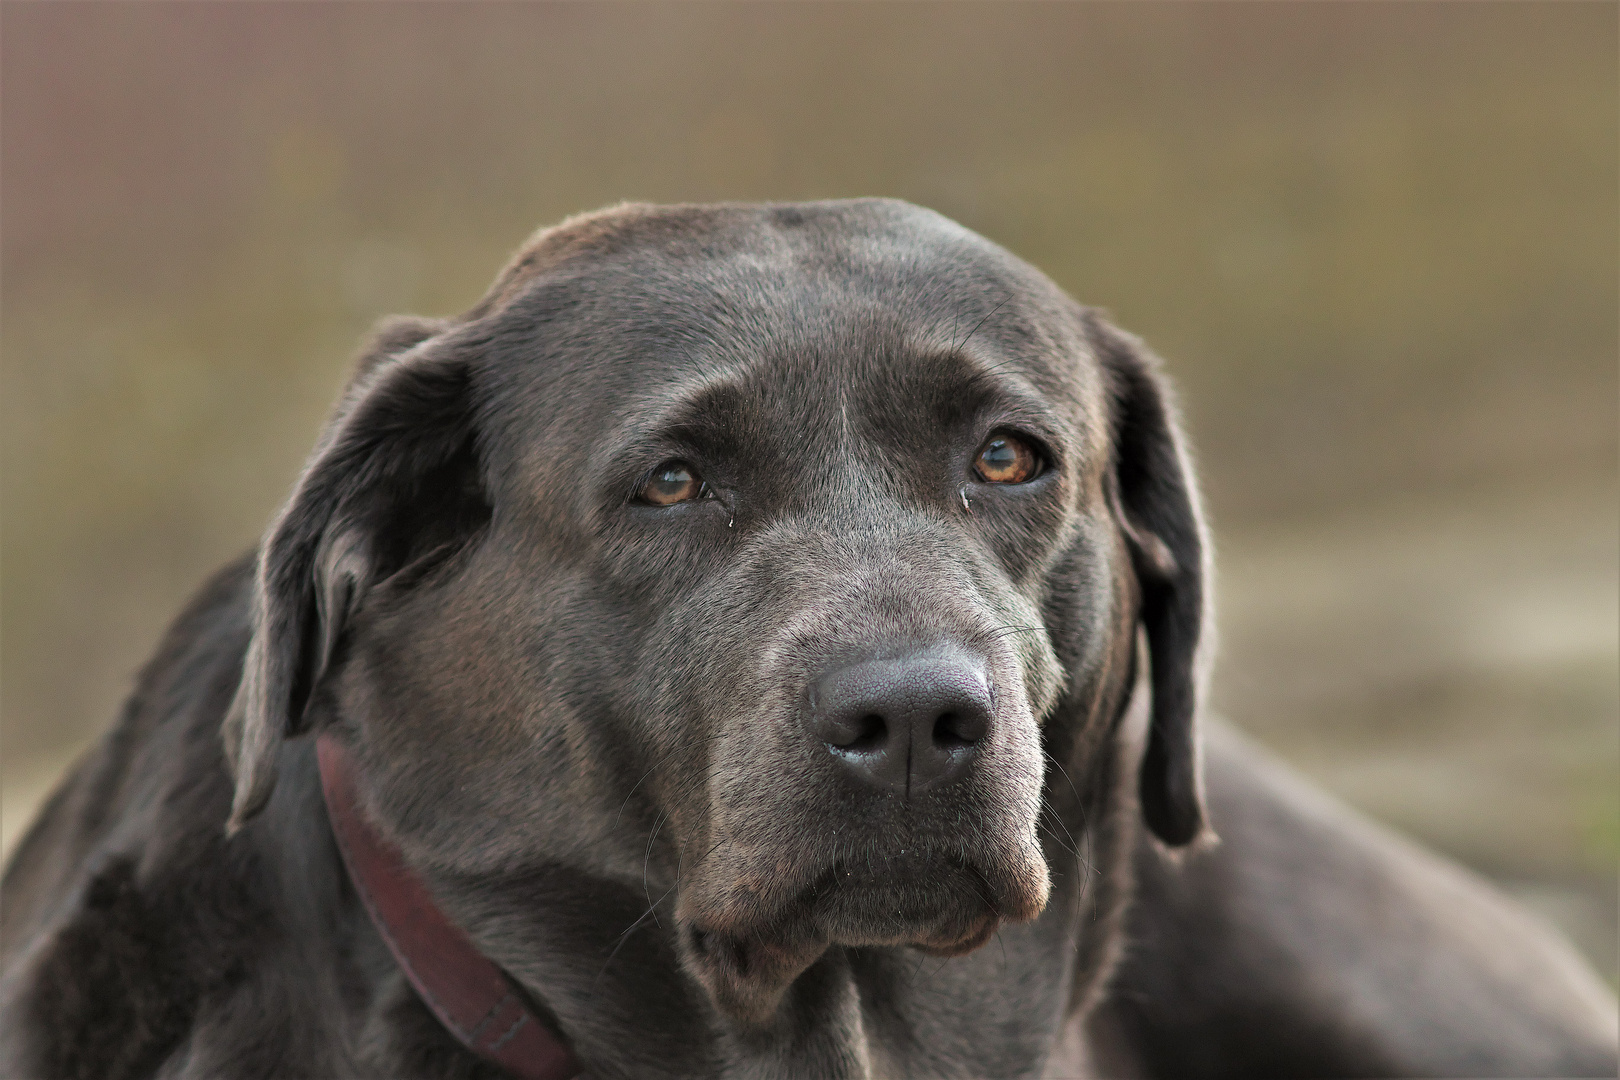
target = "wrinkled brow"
x: 710, y: 419
x: 952, y: 388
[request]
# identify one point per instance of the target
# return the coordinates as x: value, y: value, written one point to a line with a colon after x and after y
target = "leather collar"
x: 476, y: 1001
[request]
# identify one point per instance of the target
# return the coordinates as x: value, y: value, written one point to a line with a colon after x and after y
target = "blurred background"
x: 1376, y: 243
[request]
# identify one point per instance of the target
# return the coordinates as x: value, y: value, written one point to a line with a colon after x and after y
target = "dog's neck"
x: 474, y: 1000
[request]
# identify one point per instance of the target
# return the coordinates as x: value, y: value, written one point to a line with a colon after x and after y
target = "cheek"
x: 1021, y: 528
x: 481, y: 710
x: 656, y: 556
x: 1086, y: 596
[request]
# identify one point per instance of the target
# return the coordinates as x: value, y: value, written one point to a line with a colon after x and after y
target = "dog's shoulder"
x: 125, y: 905
x: 171, y: 702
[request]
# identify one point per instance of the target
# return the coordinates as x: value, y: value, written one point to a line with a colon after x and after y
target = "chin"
x: 940, y: 905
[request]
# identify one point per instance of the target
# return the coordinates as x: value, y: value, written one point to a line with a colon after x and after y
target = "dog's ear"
x: 392, y: 488
x: 1156, y: 503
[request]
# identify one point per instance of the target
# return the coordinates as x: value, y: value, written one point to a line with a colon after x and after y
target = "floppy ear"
x: 1157, y: 506
x: 392, y: 488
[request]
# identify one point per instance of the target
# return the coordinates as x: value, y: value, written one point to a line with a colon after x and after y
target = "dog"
x: 753, y: 641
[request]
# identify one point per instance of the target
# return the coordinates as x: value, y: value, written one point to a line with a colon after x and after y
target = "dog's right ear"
x: 393, y: 484
x: 1156, y: 503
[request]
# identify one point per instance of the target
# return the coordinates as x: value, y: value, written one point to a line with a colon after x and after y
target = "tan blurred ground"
x: 1376, y: 241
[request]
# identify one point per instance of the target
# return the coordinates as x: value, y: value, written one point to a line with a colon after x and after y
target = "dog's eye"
x: 670, y: 484
x: 1006, y: 459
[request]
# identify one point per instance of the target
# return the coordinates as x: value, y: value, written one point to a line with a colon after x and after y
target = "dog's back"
x: 123, y: 905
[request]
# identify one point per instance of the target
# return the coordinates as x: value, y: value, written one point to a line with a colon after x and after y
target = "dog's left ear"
x: 1157, y: 507
x: 392, y: 488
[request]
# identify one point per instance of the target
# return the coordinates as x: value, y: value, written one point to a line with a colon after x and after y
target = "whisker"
x: 1053, y: 759
x: 1066, y: 844
x: 1004, y: 301
x: 1006, y: 630
x: 624, y: 937
x: 651, y: 768
x: 647, y: 861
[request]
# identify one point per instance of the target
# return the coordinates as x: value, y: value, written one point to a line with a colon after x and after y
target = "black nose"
x: 903, y: 725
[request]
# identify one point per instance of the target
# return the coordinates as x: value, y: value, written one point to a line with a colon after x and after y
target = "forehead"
x: 790, y: 311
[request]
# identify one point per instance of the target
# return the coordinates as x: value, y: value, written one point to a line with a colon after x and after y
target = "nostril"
x: 946, y: 734
x: 874, y: 732
x: 953, y: 730
x: 867, y: 732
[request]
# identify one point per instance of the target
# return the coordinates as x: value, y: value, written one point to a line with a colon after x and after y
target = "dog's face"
x: 758, y: 556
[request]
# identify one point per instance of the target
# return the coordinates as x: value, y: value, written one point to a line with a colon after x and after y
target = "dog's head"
x: 765, y: 552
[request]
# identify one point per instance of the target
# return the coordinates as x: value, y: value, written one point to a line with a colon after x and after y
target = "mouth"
x: 747, y: 955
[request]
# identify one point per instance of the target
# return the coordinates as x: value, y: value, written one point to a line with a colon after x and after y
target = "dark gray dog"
x: 735, y: 622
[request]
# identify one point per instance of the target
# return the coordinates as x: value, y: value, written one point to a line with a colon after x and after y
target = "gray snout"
x: 904, y: 725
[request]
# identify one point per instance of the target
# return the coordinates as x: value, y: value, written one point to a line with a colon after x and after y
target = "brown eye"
x: 1006, y: 460
x: 671, y: 484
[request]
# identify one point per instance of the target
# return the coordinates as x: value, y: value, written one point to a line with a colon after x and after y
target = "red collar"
x: 477, y: 1002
